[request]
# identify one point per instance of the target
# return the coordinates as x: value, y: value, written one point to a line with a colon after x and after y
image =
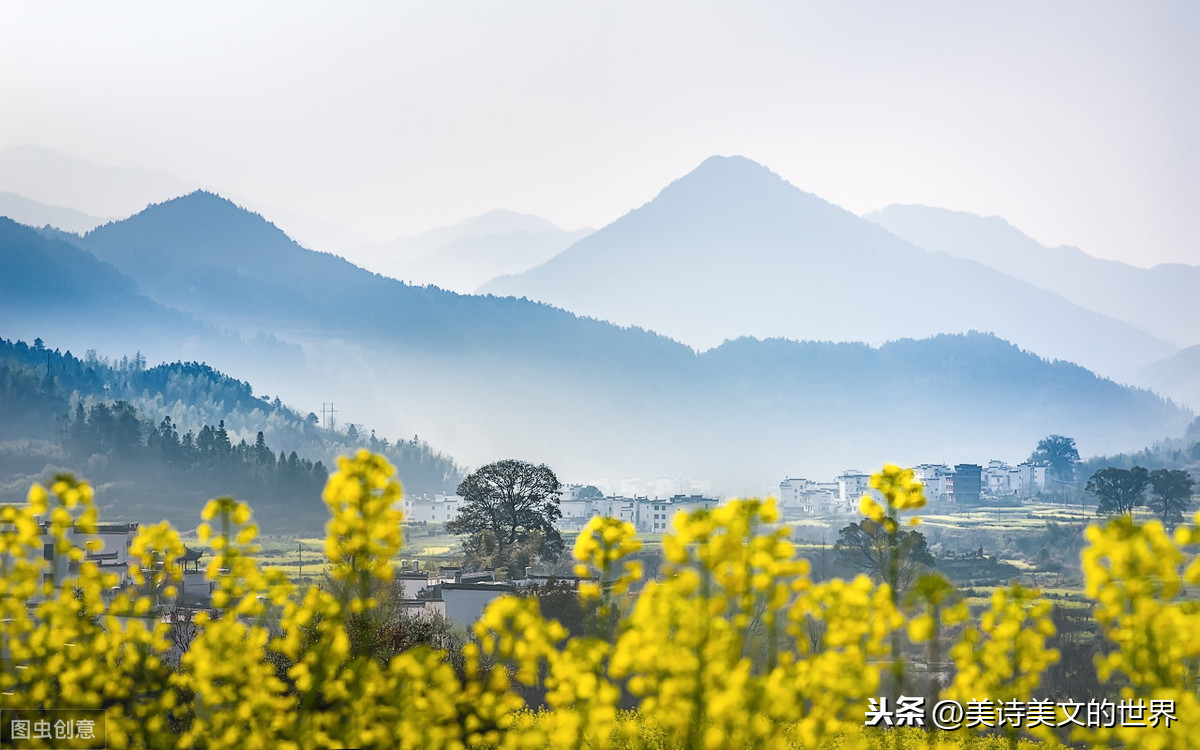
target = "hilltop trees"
x: 509, y: 514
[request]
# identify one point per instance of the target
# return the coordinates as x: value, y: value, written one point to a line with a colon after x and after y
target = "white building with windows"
x: 426, y: 509
x: 852, y: 485
x: 937, y: 481
x: 815, y: 498
x: 1000, y: 479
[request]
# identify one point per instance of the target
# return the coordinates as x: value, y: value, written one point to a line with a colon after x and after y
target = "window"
x: 48, y: 552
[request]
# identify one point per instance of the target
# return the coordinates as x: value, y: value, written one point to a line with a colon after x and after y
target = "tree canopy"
x: 1119, y: 490
x: 509, y: 513
x: 865, y: 545
x: 1171, y: 495
x: 1059, y: 454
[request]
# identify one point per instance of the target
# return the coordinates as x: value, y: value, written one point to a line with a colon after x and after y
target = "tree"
x: 865, y: 545
x: 590, y: 492
x: 1059, y: 454
x: 1119, y: 490
x: 506, y: 504
x: 1171, y: 495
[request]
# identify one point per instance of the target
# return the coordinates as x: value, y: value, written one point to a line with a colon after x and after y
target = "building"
x: 812, y: 498
x: 107, y: 547
x: 938, y: 482
x: 426, y: 509
x: 852, y: 485
x: 968, y: 480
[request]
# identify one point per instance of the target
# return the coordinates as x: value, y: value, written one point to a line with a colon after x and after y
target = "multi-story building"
x: 107, y: 547
x: 852, y: 485
x: 814, y: 498
x: 938, y: 481
x: 968, y: 480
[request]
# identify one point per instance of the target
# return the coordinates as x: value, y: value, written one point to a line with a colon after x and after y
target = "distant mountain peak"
x: 736, y: 161
x: 498, y: 221
x: 199, y: 229
x: 201, y: 212
x: 202, y: 198
x: 736, y: 169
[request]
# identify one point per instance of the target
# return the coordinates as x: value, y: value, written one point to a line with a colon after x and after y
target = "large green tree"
x: 1060, y: 455
x: 866, y: 546
x: 1171, y: 495
x: 508, y: 506
x: 1119, y: 490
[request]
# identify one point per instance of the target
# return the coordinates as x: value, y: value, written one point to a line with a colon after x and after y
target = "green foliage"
x: 172, y: 435
x: 1060, y: 455
x: 1171, y: 495
x: 508, y: 515
x: 865, y: 546
x: 1119, y: 490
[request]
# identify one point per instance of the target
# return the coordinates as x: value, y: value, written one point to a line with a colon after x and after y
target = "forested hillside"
x: 489, y: 377
x: 129, y: 428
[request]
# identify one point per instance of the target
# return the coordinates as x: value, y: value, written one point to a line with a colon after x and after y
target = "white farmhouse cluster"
x: 945, y: 486
x: 648, y: 515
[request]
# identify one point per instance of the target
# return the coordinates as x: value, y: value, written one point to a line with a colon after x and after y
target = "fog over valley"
x: 656, y: 248
x: 843, y: 345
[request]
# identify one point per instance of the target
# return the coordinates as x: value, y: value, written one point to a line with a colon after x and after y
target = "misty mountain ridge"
x: 71, y: 186
x: 36, y: 214
x: 1161, y: 300
x: 732, y: 249
x: 45, y: 280
x: 203, y: 254
x: 462, y: 256
x: 485, y: 378
x: 1177, y: 377
x: 52, y: 177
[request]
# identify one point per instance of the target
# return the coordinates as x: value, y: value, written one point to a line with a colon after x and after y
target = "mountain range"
x: 48, y: 186
x: 731, y: 249
x: 463, y: 256
x: 486, y: 377
x: 36, y: 214
x: 1161, y: 300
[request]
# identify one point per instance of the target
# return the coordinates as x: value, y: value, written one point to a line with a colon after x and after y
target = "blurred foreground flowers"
x: 731, y: 646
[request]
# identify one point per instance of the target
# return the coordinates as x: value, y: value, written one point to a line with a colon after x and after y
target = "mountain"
x: 26, y: 211
x: 202, y: 254
x: 52, y: 289
x: 731, y: 249
x: 1177, y: 377
x: 55, y: 178
x: 1161, y: 300
x: 462, y: 256
x: 487, y: 378
x: 79, y: 190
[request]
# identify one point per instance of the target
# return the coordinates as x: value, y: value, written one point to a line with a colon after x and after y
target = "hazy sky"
x: 1076, y: 121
